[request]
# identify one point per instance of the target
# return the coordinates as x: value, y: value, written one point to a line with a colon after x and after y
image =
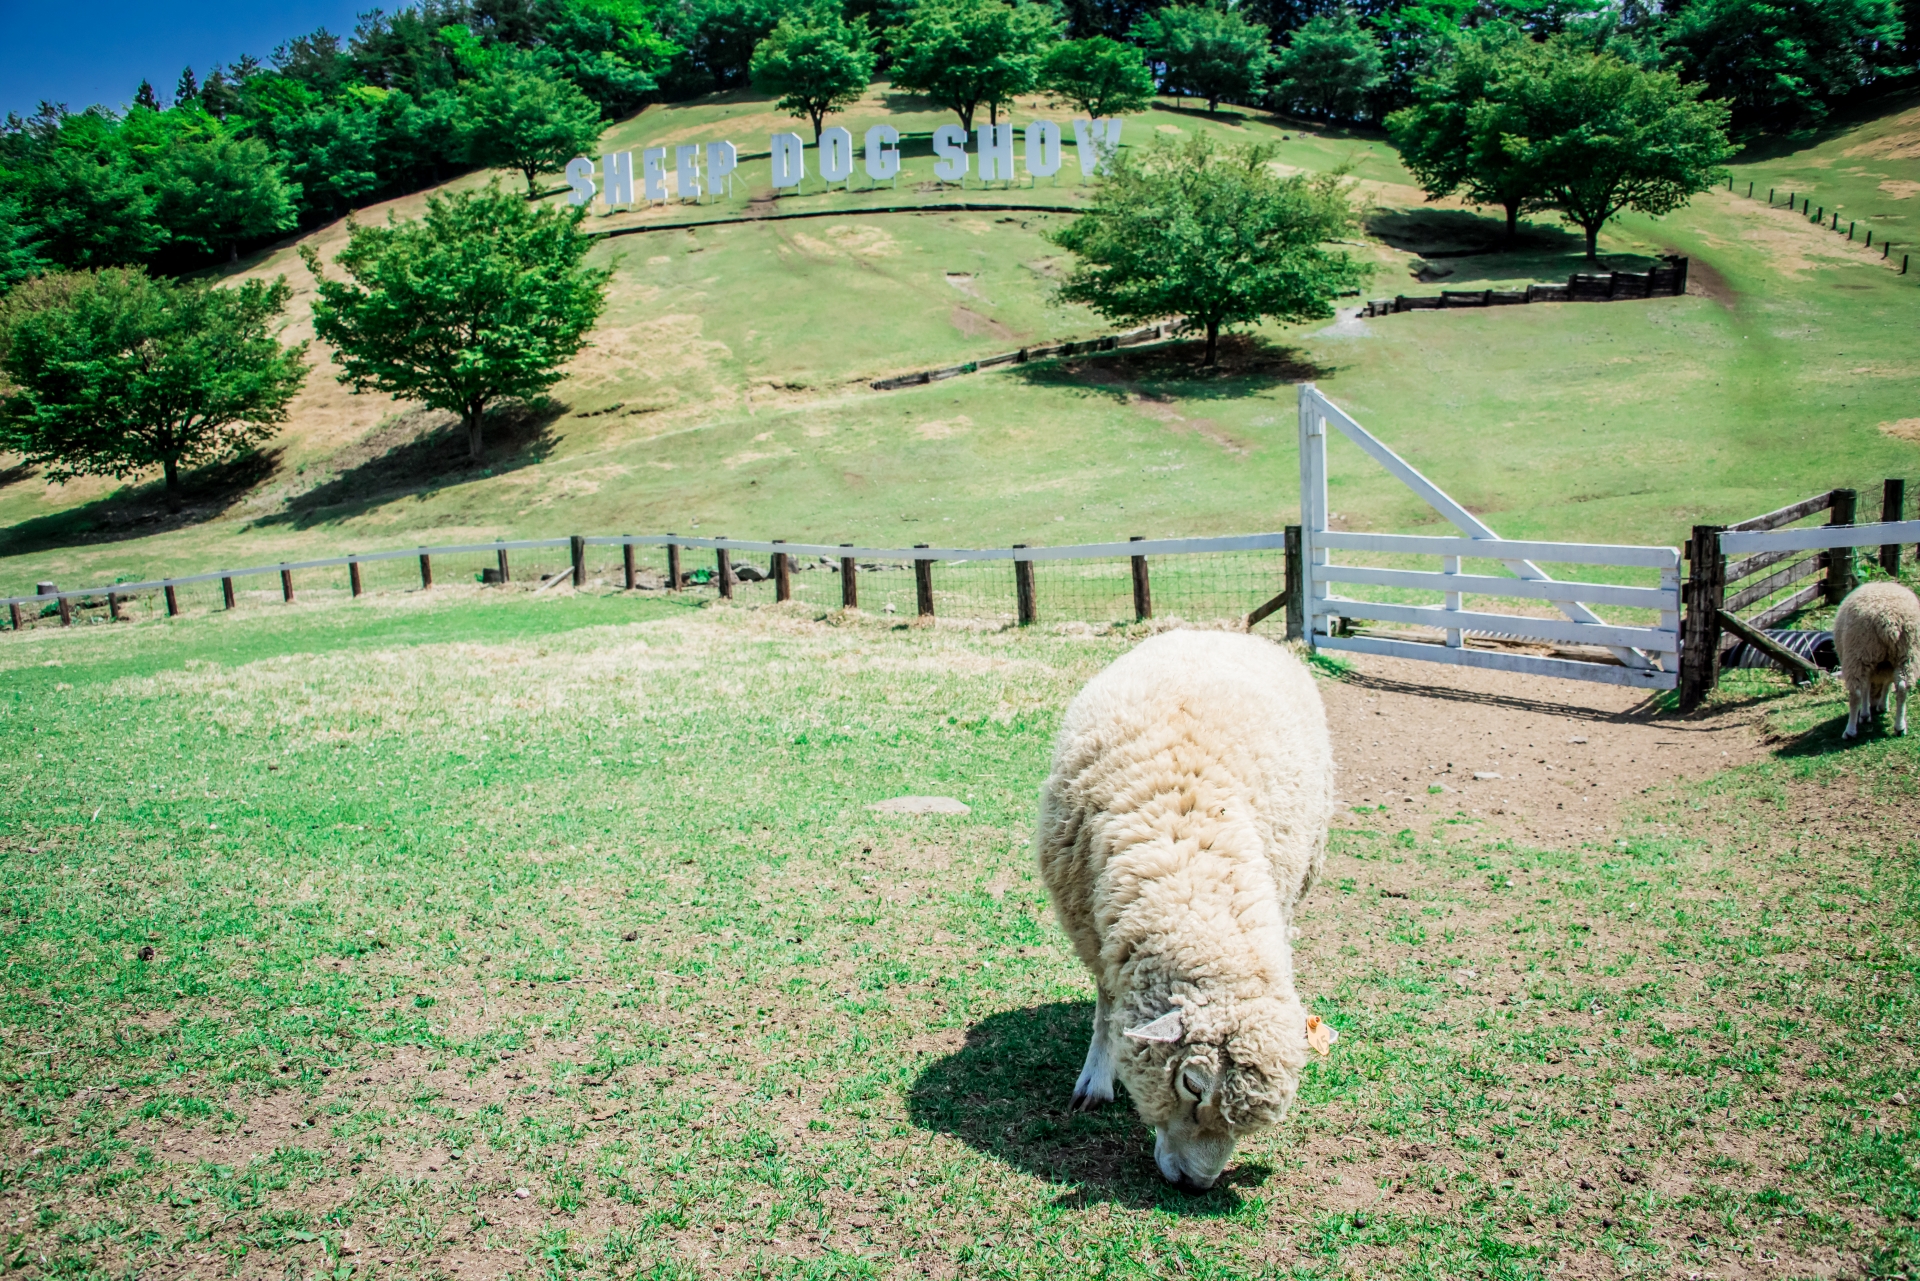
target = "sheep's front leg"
x: 1857, y: 696
x: 1095, y: 1085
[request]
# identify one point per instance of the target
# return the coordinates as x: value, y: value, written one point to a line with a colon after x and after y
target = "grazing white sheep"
x: 1877, y: 635
x: 1185, y: 816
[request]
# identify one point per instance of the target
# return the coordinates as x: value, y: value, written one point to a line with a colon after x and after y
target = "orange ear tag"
x: 1319, y: 1035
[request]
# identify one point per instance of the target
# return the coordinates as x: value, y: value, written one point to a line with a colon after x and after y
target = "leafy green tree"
x: 1208, y: 52
x: 330, y: 152
x: 816, y: 61
x: 1099, y: 75
x: 719, y: 37
x: 608, y: 48
x: 93, y: 207
x: 1599, y: 136
x: 20, y: 259
x: 215, y: 194
x: 1328, y: 67
x: 1211, y: 234
x: 963, y: 53
x: 482, y: 299
x: 1454, y: 136
x: 1780, y: 63
x: 110, y: 373
x: 526, y: 120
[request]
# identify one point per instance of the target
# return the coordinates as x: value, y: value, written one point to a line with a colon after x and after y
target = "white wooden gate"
x: 1646, y: 657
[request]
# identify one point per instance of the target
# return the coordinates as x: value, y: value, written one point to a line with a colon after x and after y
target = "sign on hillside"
x: 706, y: 169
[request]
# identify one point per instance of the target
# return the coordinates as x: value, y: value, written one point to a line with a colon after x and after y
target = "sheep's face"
x: 1234, y: 1074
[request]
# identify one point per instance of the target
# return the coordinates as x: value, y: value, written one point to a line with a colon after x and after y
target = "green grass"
x: 387, y: 858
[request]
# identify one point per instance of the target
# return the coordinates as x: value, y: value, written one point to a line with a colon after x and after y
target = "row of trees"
x: 1530, y: 126
x: 115, y: 372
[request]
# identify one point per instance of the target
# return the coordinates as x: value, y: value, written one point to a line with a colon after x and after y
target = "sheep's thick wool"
x: 1184, y: 819
x: 1877, y: 637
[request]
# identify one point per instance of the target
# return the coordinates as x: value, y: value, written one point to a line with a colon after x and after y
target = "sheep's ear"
x: 1164, y: 1030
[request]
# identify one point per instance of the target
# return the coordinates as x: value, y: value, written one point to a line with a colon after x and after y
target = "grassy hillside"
x: 728, y: 385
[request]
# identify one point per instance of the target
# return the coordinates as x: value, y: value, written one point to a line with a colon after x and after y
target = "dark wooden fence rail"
x: 1669, y: 281
x: 1720, y: 586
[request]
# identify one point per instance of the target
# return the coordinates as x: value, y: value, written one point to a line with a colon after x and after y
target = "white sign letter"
x: 686, y: 172
x: 618, y: 167
x: 580, y: 178
x: 789, y: 159
x: 995, y: 144
x: 653, y: 163
x: 721, y: 161
x: 1043, y: 148
x: 1097, y: 140
x: 836, y: 155
x: 950, y: 144
x: 883, y: 152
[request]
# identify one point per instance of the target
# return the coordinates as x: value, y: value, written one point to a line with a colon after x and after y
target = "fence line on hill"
x: 1669, y: 281
x: 1238, y: 578
x: 1804, y: 204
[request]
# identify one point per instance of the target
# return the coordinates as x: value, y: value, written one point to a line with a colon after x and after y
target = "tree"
x: 1207, y: 52
x: 607, y: 48
x: 719, y: 37
x: 483, y: 299
x: 187, y: 91
x: 1600, y: 136
x: 523, y: 119
x: 1328, y: 67
x: 1454, y: 136
x: 962, y: 53
x: 113, y: 372
x: 1099, y: 75
x: 145, y: 98
x: 215, y: 194
x: 20, y: 259
x: 815, y: 62
x: 1209, y: 233
x: 1780, y: 63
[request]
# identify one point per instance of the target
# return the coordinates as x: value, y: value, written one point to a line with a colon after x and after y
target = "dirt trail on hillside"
x: 1534, y: 758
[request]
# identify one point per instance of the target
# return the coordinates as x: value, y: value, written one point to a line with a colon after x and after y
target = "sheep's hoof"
x: 1088, y: 1101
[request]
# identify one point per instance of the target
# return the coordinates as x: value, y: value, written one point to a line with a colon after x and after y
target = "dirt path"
x: 1535, y: 758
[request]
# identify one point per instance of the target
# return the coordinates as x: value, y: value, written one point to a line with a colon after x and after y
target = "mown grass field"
x: 728, y: 386
x: 457, y: 935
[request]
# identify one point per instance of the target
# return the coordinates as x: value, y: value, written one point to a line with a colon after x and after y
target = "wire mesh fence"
x: 1195, y: 580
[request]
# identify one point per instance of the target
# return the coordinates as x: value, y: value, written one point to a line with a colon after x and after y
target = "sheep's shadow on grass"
x: 1004, y: 1093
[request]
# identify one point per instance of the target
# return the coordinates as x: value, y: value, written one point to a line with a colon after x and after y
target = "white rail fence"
x: 1636, y: 655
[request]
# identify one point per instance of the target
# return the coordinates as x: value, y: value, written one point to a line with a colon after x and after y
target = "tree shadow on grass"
x: 1247, y: 363
x: 141, y: 510
x: 1004, y: 1094
x: 416, y: 452
x: 1461, y: 233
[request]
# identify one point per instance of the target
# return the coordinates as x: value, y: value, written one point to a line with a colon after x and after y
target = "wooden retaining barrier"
x: 1669, y: 281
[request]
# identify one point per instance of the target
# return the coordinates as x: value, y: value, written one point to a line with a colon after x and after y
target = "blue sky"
x: 99, y: 51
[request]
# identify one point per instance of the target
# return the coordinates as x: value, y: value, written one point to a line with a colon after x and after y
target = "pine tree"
x: 188, y: 90
x: 144, y: 96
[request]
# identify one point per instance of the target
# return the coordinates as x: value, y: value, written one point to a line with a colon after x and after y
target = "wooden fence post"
x: 1893, y: 506
x: 1023, y: 588
x: 626, y: 562
x: 1840, y: 579
x: 173, y: 602
x: 673, y: 565
x: 724, y: 568
x: 504, y: 576
x: 1705, y: 594
x: 1291, y: 573
x: 353, y: 577
x: 113, y: 607
x: 849, y: 582
x: 286, y: 585
x: 66, y: 612
x: 226, y: 591
x: 923, y: 584
x: 14, y: 609
x: 782, y: 575
x: 426, y: 570
x: 1142, y: 589
x: 579, y: 546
